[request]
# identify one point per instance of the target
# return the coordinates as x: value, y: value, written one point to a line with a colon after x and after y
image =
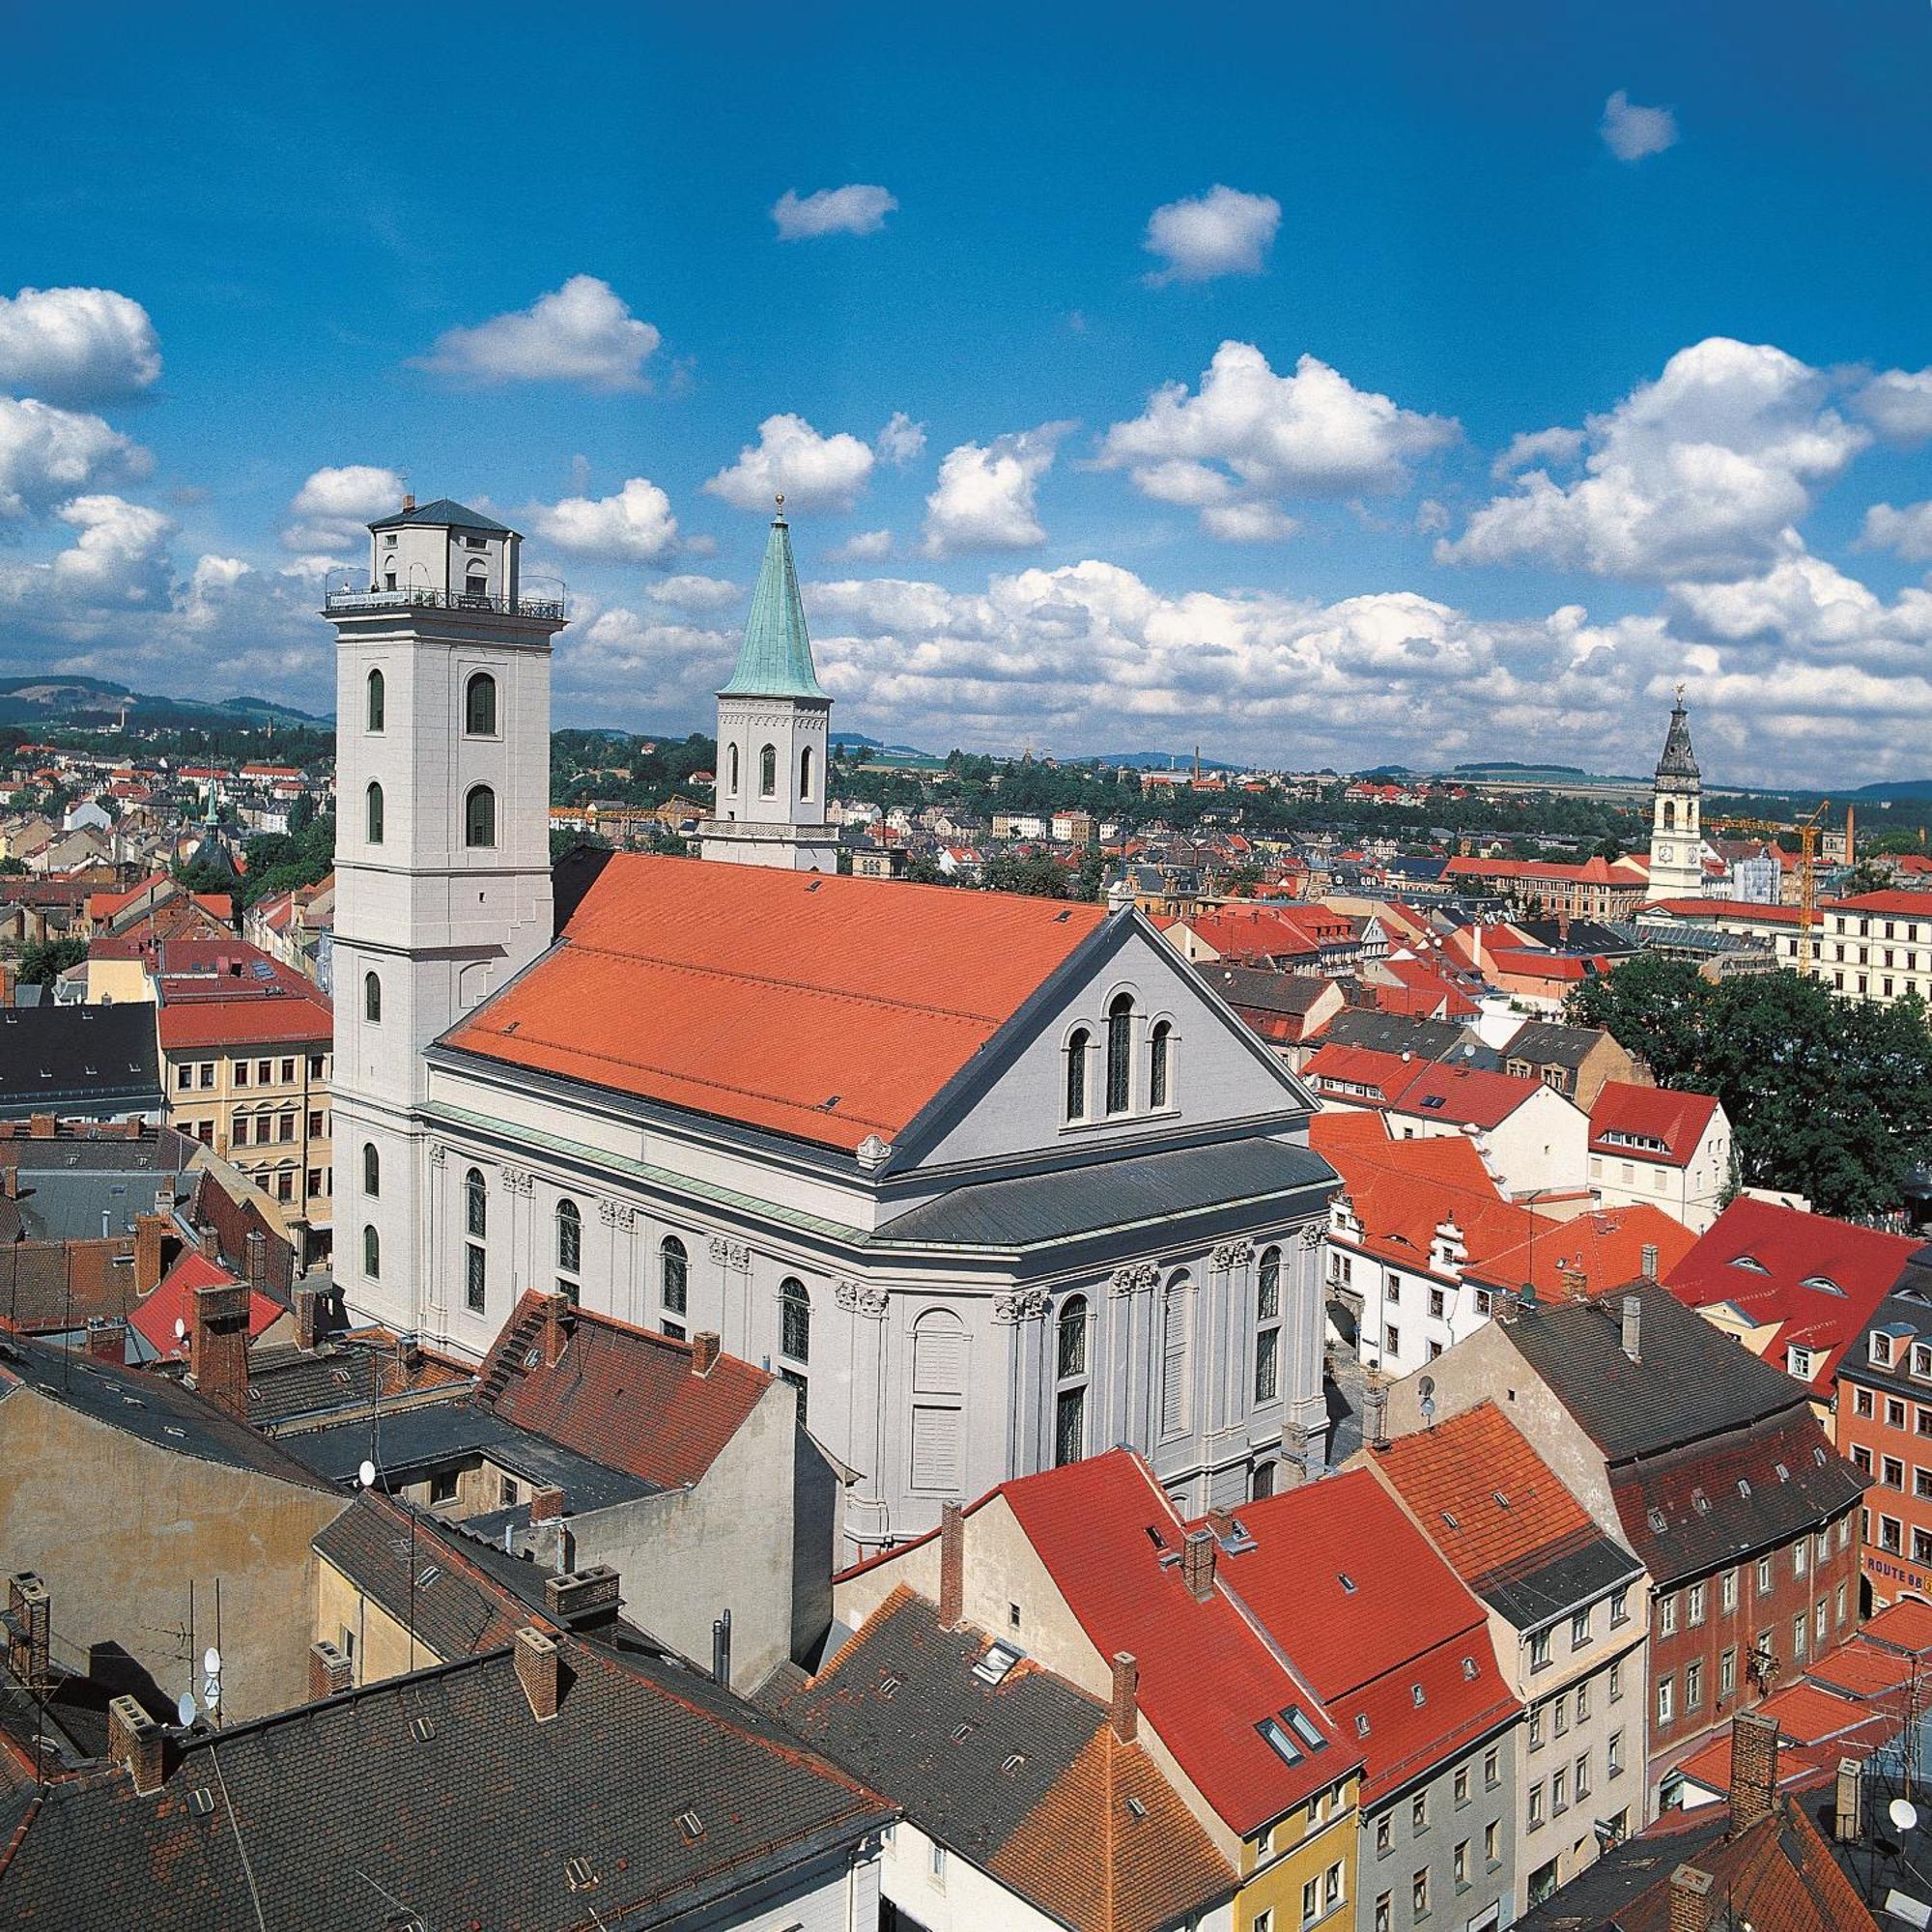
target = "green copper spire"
x: 775, y: 660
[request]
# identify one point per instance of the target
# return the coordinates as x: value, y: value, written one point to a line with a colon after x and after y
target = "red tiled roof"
x: 1371, y: 1614
x: 1750, y: 909
x: 829, y: 1009
x: 1462, y: 1096
x: 1664, y: 1113
x: 1891, y: 905
x: 173, y: 1300
x: 1818, y: 1282
x: 1207, y: 1680
x: 626, y: 1396
x: 194, y: 1015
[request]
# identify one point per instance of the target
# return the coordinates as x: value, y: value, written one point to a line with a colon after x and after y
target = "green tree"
x: 1653, y: 1008
x: 43, y: 961
x: 1037, y: 877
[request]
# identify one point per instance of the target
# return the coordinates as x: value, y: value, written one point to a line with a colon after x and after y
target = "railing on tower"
x: 344, y: 594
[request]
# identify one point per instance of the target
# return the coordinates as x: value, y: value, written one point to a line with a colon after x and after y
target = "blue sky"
x: 1209, y: 339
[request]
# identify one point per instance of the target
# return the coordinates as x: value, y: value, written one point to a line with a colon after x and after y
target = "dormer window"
x: 1800, y: 1362
x: 1880, y: 1350
x: 1922, y: 1360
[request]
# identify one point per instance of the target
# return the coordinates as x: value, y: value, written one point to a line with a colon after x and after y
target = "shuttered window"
x: 939, y: 1354
x: 935, y: 1448
x: 1175, y: 1405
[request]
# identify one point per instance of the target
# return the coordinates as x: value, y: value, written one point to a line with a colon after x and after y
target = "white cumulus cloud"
x: 1701, y: 474
x: 334, y: 505
x: 1249, y: 438
x: 1553, y: 446
x: 984, y: 499
x: 813, y: 472
x: 77, y: 345
x: 1898, y: 405
x: 1223, y: 232
x: 46, y: 453
x: 119, y: 555
x: 1907, y: 531
x: 863, y: 546
x: 901, y: 440
x: 582, y: 332
x: 696, y: 593
x: 1631, y: 132
x: 856, y: 208
x: 635, y: 525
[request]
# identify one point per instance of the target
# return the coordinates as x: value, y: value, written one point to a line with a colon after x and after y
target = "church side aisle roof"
x: 829, y: 1009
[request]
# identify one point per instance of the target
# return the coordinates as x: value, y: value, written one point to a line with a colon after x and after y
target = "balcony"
x: 549, y: 608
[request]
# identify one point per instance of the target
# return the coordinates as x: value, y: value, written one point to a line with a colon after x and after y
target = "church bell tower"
x: 774, y: 720
x: 443, y: 886
x: 1676, y: 834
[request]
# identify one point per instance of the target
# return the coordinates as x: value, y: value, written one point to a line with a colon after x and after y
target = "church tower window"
x: 1120, y: 1053
x: 372, y: 1253
x: 479, y: 818
x: 372, y: 801
x: 805, y: 773
x: 372, y: 1169
x: 376, y: 700
x: 479, y: 706
x: 731, y: 770
x: 372, y: 999
x: 1076, y: 1075
x: 768, y: 772
x: 673, y: 1284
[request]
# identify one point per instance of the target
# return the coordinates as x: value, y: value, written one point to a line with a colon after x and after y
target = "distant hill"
x: 1152, y: 761
x: 71, y: 701
x: 1900, y: 788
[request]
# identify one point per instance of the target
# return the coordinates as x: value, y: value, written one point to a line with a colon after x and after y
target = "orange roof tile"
x: 828, y: 1009
x: 1664, y: 1113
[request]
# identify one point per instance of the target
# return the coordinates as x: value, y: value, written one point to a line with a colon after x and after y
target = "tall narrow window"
x: 1176, y: 1306
x: 476, y: 1223
x: 476, y: 584
x: 1158, y: 1051
x: 1267, y: 1326
x: 479, y: 706
x: 372, y: 1253
x: 1070, y: 1395
x: 1120, y: 1053
x: 795, y: 1322
x: 372, y: 998
x: 673, y: 1284
x: 372, y: 801
x: 569, y: 1244
x: 768, y: 772
x: 1669, y: 815
x: 731, y: 770
x: 375, y: 701
x: 479, y: 817
x: 372, y: 1169
x: 939, y: 1401
x: 1076, y: 1075
x: 805, y: 773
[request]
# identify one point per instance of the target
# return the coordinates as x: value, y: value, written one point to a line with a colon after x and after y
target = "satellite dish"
x: 366, y: 1475
x: 1903, y: 1813
x: 184, y: 1710
x: 180, y: 1330
x: 211, y: 1661
x: 1426, y: 1388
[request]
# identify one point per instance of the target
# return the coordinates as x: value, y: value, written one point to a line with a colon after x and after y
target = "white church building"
x: 993, y: 1181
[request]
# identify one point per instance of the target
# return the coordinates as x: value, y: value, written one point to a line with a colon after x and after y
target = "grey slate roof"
x: 1120, y: 1192
x: 1530, y: 1596
x: 1550, y: 1043
x: 465, y: 1810
x: 1266, y: 992
x: 1427, y: 1039
x: 86, y: 1062
x: 444, y: 511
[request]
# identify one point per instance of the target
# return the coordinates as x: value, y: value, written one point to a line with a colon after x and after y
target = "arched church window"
x: 372, y: 999
x: 1669, y: 815
x: 372, y: 1169
x: 1160, y: 1050
x: 795, y: 1319
x: 1070, y: 1395
x: 1076, y: 1074
x: 805, y: 773
x: 1268, y: 1326
x: 1176, y: 1308
x: 372, y: 1252
x: 479, y: 706
x: 376, y: 694
x: 673, y: 1284
x: 1119, y: 1052
x: 939, y: 1401
x: 731, y: 770
x: 479, y: 817
x: 768, y: 772
x: 372, y: 801
x: 476, y: 1204
x: 569, y: 1245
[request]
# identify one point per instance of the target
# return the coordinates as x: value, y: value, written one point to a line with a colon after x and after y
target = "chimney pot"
x: 211, y: 1242
x: 557, y: 1321
x: 952, y: 1565
x: 29, y: 1642
x: 41, y: 1127
x: 546, y: 1503
x: 1690, y: 1900
x: 409, y: 502
x: 1123, y: 1711
x: 1197, y: 1564
x: 1846, y: 1820
x: 256, y: 1248
x: 540, y: 1671
x: 106, y: 1339
x: 329, y: 1672
x: 310, y: 1317
x: 1633, y: 1326
x: 583, y: 1596
x: 149, y: 1230
x: 219, y: 1341
x: 1753, y: 1767
x: 135, y: 1738
x: 1650, y: 1261
x: 704, y: 1347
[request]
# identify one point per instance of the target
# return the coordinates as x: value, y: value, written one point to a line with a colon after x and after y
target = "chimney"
x: 1197, y: 1564
x: 30, y: 1609
x: 556, y: 1324
x: 219, y: 1337
x: 10, y: 1182
x: 409, y: 502
x: 583, y: 1596
x: 41, y: 1126
x: 148, y: 1231
x: 704, y: 1352
x: 720, y: 1649
x: 547, y: 1503
x: 1650, y: 1261
x: 1122, y: 1710
x: 211, y: 1242
x: 135, y: 1738
x: 1845, y: 1813
x: 106, y: 1339
x: 1753, y: 1767
x: 1633, y: 1326
x: 256, y: 1248
x: 310, y: 1317
x: 1375, y: 1415
x: 540, y: 1671
x: 1690, y: 1900
x: 164, y: 1202
x: 952, y: 1565
x: 1577, y: 1285
x: 329, y: 1672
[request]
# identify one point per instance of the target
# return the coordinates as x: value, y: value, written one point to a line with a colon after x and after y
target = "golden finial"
x: 781, y: 503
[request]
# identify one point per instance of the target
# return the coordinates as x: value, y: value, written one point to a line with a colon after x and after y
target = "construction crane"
x: 1807, y: 883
